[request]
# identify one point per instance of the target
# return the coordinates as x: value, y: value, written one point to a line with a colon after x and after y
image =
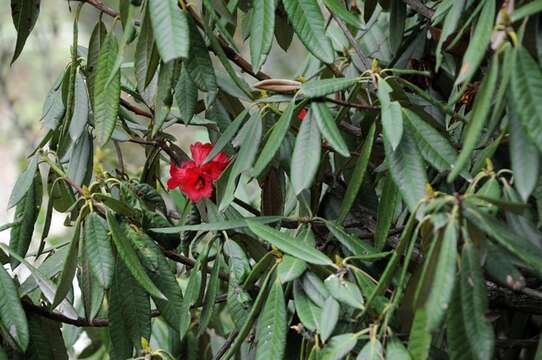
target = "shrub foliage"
x: 382, y: 202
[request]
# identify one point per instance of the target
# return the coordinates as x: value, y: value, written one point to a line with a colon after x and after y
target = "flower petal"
x: 200, y: 151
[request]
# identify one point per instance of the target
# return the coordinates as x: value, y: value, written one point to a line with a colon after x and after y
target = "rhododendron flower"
x: 302, y: 114
x: 194, y: 178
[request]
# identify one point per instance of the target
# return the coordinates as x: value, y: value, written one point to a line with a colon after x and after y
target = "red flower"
x: 302, y: 114
x: 195, y: 178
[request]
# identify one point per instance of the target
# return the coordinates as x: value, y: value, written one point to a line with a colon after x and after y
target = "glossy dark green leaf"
x: 106, y: 98
x: 288, y: 244
x: 97, y: 39
x: 146, y: 57
x: 398, y: 14
x: 479, y: 114
x: 308, y: 23
x: 272, y: 327
x: 306, y: 155
x: 198, y: 64
x: 98, y: 249
x: 170, y: 29
x: 261, y: 31
x: 308, y: 312
x: 24, y: 14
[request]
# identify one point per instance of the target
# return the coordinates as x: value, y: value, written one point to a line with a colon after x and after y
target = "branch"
x: 189, y: 262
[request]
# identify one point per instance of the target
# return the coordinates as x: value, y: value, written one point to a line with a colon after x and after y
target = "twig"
x: 120, y: 158
x: 189, y: 262
x: 135, y: 109
x: 362, y: 57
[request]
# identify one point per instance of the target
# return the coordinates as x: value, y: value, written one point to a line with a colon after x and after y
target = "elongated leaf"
x: 23, y: 183
x: 372, y: 350
x: 323, y: 87
x: 352, y: 243
x: 146, y: 57
x: 190, y: 297
x: 221, y: 225
x: 450, y: 24
x: 386, y: 209
x: 339, y: 346
x: 170, y: 29
x: 12, y: 315
x: 330, y: 316
x: 528, y: 9
x: 474, y: 304
x: 97, y: 39
x: 226, y: 137
x: 526, y: 90
x: 210, y: 298
x: 70, y: 266
x: 271, y: 329
x: 344, y: 14
x: 288, y: 244
x: 163, y: 99
x: 407, y: 171
x: 106, y: 98
x: 198, y: 64
x: 306, y: 310
x: 275, y: 139
x: 433, y: 146
x: 358, y: 174
x: 290, y: 268
x: 26, y: 214
x: 329, y: 130
x: 392, y: 118
x: 261, y: 31
x: 98, y: 249
x: 24, y: 14
x: 306, y: 155
x: 344, y: 291
x: 398, y: 14
x: 396, y: 350
x: 478, y: 43
x: 420, y: 339
x: 80, y: 109
x: 129, y: 257
x: 308, y: 23
x: 480, y: 112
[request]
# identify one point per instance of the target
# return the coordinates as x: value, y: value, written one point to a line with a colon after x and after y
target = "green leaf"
x: 328, y: 128
x: 306, y: 155
x: 306, y: 310
x: 358, y: 174
x: 289, y: 245
x: 308, y: 23
x: 479, y: 114
x: 396, y: 350
x: 344, y: 14
x: 329, y: 318
x: 69, y: 268
x: 261, y: 31
x: 218, y: 226
x: 290, y: 268
x: 210, y: 298
x: 26, y: 214
x: 252, y: 133
x: 98, y: 249
x: 24, y: 14
x: 479, y: 331
x: 392, y: 118
x: 526, y: 91
x: 501, y: 268
x: 386, y: 209
x: 275, y: 140
x: 450, y: 25
x: 186, y: 95
x: 433, y: 146
x: 227, y: 135
x: 191, y: 295
x: 339, y: 346
x: 407, y: 171
x: 80, y: 108
x: 106, y: 98
x: 443, y: 277
x: 478, y: 43
x: 170, y: 29
x: 503, y: 236
x: 97, y: 39
x: 323, y: 87
x: 371, y: 351
x: 46, y: 341
x: 164, y: 97
x: 419, y: 341
x: 129, y: 257
x: 524, y: 157
x: 344, y: 291
x: 23, y: 183
x: 528, y: 9
x: 12, y: 315
x: 129, y: 313
x: 272, y: 326
x: 352, y: 243
x: 146, y: 57
x: 398, y: 14
x: 198, y: 64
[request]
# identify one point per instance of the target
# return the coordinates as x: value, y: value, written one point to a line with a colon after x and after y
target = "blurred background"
x: 24, y: 86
